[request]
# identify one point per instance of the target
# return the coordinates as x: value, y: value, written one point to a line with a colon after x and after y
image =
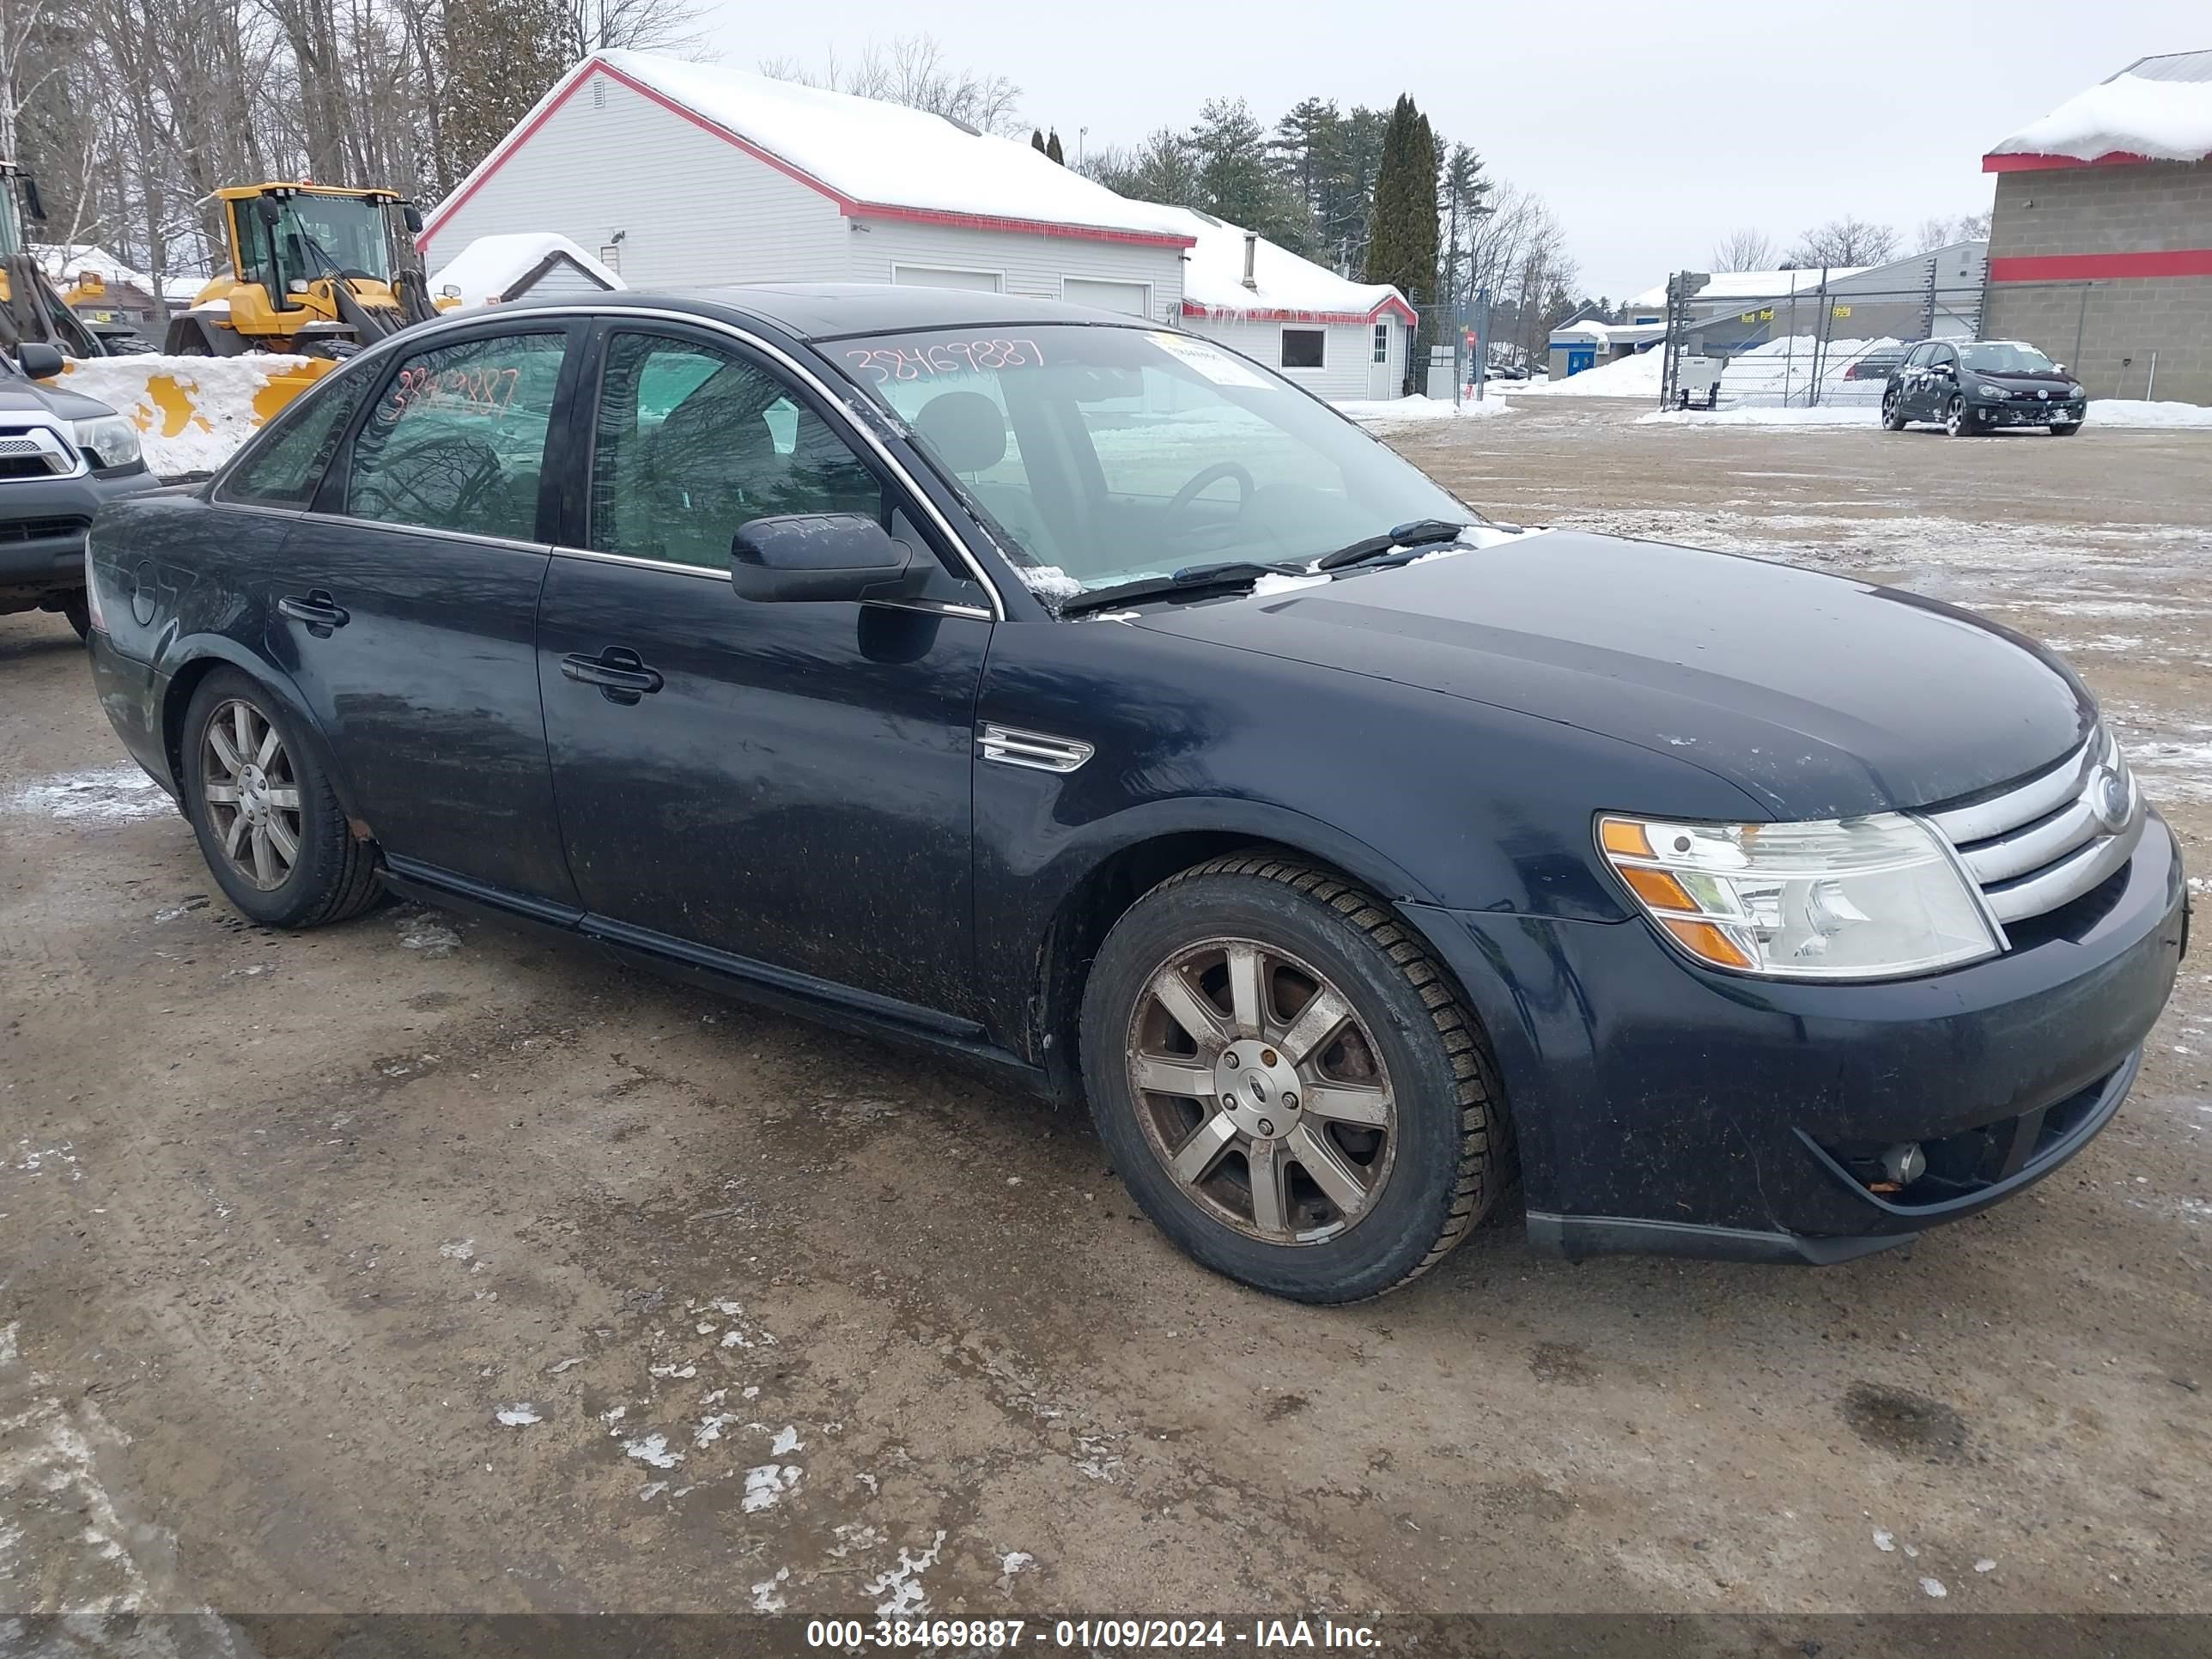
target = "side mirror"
x: 40, y: 361
x: 818, y: 557
x: 411, y: 216
x: 267, y: 211
x: 34, y: 206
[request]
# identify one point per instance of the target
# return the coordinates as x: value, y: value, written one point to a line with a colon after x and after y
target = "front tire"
x: 271, y: 830
x: 2064, y: 428
x: 1958, y: 419
x: 1286, y: 1083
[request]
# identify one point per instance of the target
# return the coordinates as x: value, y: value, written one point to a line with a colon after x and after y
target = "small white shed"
x: 679, y: 175
x: 537, y: 265
x: 1340, y: 339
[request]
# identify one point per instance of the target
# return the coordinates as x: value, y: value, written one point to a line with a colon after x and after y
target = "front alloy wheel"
x: 1287, y: 1082
x: 1261, y: 1092
x: 252, y: 794
x: 1958, y: 420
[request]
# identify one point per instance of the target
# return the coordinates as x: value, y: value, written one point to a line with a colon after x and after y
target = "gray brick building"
x: 2101, y: 239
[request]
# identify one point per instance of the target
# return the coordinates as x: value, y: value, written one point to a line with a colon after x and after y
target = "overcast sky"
x: 1648, y: 147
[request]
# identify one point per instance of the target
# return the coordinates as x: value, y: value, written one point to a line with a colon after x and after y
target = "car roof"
x: 829, y: 311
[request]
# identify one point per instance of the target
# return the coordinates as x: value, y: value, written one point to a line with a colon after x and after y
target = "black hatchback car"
x: 1077, y: 696
x: 1978, y: 386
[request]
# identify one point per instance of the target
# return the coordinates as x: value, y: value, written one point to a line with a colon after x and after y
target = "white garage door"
x: 982, y: 282
x: 1134, y: 298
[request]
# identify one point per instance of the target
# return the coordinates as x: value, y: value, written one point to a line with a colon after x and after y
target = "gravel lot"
x: 421, y: 1265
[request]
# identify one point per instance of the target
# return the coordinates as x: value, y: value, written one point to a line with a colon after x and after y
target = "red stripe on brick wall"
x: 2084, y: 267
x: 2039, y: 163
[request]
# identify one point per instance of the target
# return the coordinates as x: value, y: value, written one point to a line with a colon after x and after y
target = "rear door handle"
x: 321, y: 613
x: 620, y: 674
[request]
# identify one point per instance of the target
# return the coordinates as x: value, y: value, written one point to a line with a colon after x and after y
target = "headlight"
x: 1848, y: 898
x: 2075, y: 391
x: 107, y: 441
x: 1994, y: 393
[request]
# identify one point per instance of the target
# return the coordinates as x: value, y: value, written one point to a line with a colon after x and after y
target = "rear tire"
x: 1401, y: 1114
x: 1892, y: 412
x: 271, y: 830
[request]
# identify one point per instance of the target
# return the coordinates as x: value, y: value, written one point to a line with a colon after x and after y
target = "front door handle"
x: 321, y: 613
x: 620, y: 674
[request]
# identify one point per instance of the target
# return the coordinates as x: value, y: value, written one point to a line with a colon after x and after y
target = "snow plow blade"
x: 192, y: 413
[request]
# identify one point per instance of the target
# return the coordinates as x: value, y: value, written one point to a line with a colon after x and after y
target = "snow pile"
x: 1780, y: 372
x: 1636, y: 376
x: 1395, y: 410
x: 2134, y: 411
x: 191, y: 412
x: 485, y: 269
x: 2146, y: 109
x: 1213, y: 276
x: 863, y: 151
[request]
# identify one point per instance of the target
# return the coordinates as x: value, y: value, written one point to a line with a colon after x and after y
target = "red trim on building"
x: 2088, y: 267
x: 1393, y: 307
x: 2031, y: 162
x: 847, y: 205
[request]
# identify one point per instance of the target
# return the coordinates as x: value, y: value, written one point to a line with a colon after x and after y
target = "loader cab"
x: 287, y: 239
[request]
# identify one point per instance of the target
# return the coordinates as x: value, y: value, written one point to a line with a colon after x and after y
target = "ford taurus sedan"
x: 1075, y: 696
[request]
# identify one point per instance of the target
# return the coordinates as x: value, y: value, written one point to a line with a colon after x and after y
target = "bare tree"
x: 912, y: 71
x: 1845, y: 241
x: 1940, y: 232
x: 1744, y: 250
x: 632, y: 26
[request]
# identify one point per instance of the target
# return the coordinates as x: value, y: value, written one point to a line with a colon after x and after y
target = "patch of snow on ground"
x: 106, y: 794
x: 1392, y: 411
x: 901, y: 1586
x: 765, y: 1483
x: 652, y: 1449
x: 1636, y: 376
x: 768, y: 1594
x: 517, y: 1416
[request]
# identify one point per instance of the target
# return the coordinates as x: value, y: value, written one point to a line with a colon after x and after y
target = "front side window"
x: 1302, y: 347
x: 284, y: 468
x: 1113, y: 452
x: 693, y: 441
x: 456, y: 440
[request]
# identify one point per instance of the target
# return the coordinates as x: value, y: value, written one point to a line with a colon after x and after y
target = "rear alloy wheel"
x: 1958, y: 420
x: 1286, y: 1083
x: 269, y: 826
x: 1893, y: 413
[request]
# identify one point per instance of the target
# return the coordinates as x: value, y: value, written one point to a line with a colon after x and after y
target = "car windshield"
x: 2005, y: 357
x: 1106, y: 455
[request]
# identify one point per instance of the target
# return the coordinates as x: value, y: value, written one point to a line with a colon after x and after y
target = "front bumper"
x: 2030, y: 412
x: 1660, y: 1108
x: 42, y: 526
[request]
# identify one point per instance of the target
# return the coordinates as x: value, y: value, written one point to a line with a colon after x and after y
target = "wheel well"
x: 174, y: 703
x: 1088, y: 914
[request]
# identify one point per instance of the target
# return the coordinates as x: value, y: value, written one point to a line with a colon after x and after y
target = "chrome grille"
x: 35, y: 452
x: 2044, y: 842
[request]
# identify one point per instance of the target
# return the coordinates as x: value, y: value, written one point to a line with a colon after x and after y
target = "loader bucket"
x: 192, y: 412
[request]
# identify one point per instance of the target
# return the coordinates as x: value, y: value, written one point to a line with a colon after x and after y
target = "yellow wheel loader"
x: 314, y: 270
x: 31, y: 308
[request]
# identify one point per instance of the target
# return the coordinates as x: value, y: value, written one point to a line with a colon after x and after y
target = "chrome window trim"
x: 469, y: 535
x: 932, y: 607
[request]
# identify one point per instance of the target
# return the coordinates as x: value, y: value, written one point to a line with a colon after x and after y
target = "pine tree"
x: 1401, y: 243
x: 501, y: 56
x: 1464, y: 193
x: 1235, y: 180
x: 1036, y: 141
x: 1053, y: 150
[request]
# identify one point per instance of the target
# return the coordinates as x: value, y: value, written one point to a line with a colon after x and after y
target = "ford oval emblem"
x: 2107, y: 795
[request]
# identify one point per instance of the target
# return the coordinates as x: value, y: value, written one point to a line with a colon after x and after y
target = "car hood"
x: 1816, y: 695
x: 20, y: 398
x: 2055, y: 384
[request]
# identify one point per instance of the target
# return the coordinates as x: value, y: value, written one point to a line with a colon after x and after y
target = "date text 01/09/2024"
x: 1261, y: 1635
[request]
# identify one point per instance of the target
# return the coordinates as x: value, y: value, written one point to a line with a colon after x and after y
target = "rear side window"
x: 284, y: 470
x: 456, y: 440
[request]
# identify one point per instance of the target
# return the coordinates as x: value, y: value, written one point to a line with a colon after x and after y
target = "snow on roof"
x: 862, y: 152
x: 64, y: 261
x: 1213, y: 276
x: 2158, y: 107
x: 488, y: 267
x: 1748, y: 285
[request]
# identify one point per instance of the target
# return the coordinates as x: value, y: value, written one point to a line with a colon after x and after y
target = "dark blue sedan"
x: 1077, y: 697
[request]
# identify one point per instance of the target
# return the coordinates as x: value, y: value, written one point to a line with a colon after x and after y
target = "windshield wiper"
x: 1190, y: 580
x: 1418, y: 533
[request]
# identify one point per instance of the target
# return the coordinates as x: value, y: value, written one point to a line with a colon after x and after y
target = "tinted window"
x: 1919, y: 356
x: 694, y: 441
x: 457, y: 438
x: 1302, y: 348
x: 284, y: 468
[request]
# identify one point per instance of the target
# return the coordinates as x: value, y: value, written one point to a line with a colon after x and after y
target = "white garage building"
x: 679, y: 174
x: 1338, y: 339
